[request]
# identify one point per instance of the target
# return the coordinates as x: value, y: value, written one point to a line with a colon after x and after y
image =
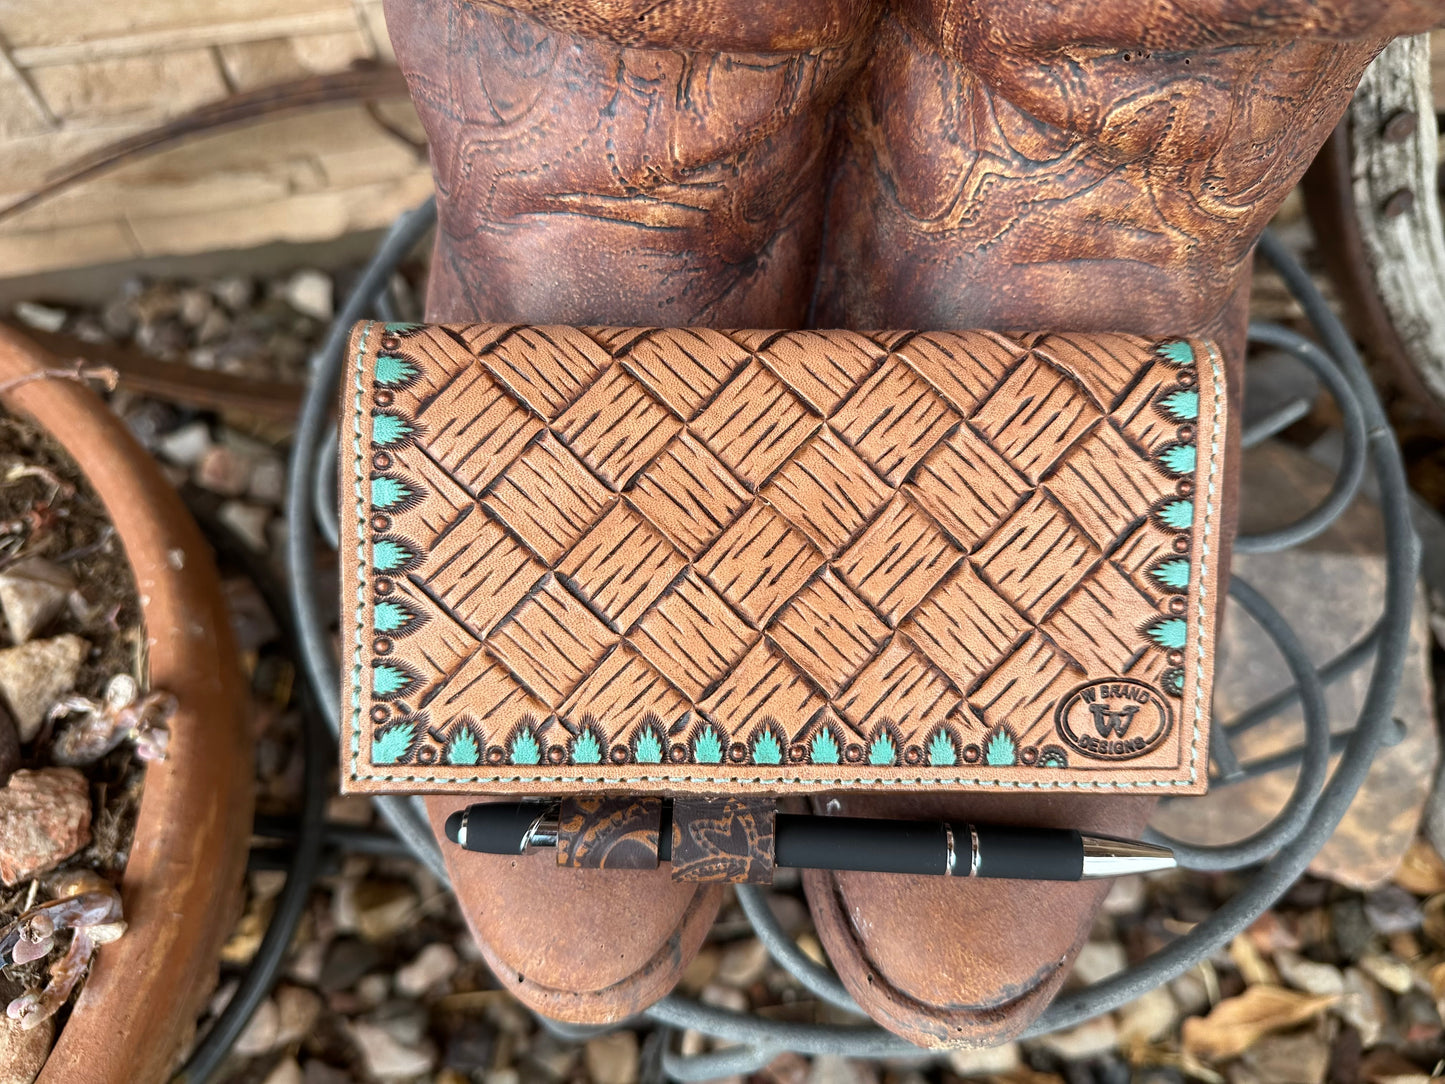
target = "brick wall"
x: 76, y: 76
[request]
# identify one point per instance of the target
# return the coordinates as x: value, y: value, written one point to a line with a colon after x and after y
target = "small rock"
x: 32, y: 594
x: 186, y: 446
x: 1126, y: 896
x: 434, y: 965
x: 1091, y: 1039
x: 318, y: 1072
x: 23, y: 1053
x: 1191, y: 993
x: 700, y: 971
x: 9, y: 746
x: 266, y: 884
x: 158, y: 301
x: 224, y: 470
x: 986, y: 1061
x: 222, y: 997
x: 1394, y: 975
x: 1363, y: 1006
x: 234, y: 291
x: 1097, y: 960
x: 451, y: 1076
x: 1391, y: 910
x: 298, y: 1009
x: 372, y: 990
x: 831, y: 1069
x: 1147, y: 1018
x: 1289, y: 1059
x: 248, y: 521
x: 377, y: 909
x: 213, y: 328
x: 724, y: 997
x: 503, y: 1076
x: 555, y: 1059
x: 35, y: 675
x: 612, y: 1058
x: 310, y: 293
x: 268, y: 481
x: 1353, y: 935
x: 194, y: 306
x: 44, y: 819
x: 263, y: 1031
x: 471, y: 1049
x: 40, y: 317
x: 387, y: 1059
x: 1308, y: 975
x: 348, y: 960
x: 118, y: 319
x: 307, y: 962
x: 743, y: 964
x: 286, y: 1072
x: 246, y: 935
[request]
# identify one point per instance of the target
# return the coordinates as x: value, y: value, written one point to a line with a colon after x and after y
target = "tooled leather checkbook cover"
x: 668, y: 561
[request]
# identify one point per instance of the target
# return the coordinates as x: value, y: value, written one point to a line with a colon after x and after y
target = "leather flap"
x: 578, y: 560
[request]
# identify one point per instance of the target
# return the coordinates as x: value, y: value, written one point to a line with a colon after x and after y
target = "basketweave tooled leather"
x: 579, y: 560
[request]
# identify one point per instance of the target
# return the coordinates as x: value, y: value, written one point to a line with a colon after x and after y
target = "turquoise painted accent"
x: 387, y: 555
x: 386, y: 680
x: 649, y: 748
x: 1053, y: 757
x: 389, y: 616
x: 882, y: 751
x: 392, y: 743
x: 389, y: 428
x: 1182, y: 405
x: 525, y: 748
x: 1001, y: 751
x: 823, y: 749
x: 392, y: 370
x: 766, y: 749
x: 941, y: 751
x: 1173, y: 573
x: 707, y: 747
x: 1178, y: 458
x: 463, y: 748
x: 399, y: 327
x: 1174, y: 681
x: 1178, y: 515
x: 587, y: 749
x: 386, y: 492
x: 1177, y: 353
x: 1170, y: 632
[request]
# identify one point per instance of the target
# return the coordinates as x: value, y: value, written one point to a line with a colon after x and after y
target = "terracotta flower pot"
x: 180, y: 888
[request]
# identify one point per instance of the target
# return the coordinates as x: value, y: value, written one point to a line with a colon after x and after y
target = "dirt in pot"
x: 72, y: 736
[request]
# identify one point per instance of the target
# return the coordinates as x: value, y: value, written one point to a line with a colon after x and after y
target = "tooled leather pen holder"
x: 579, y: 561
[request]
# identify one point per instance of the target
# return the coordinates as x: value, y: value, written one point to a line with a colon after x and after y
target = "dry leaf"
x: 1421, y: 871
x: 1253, y: 967
x: 1236, y: 1022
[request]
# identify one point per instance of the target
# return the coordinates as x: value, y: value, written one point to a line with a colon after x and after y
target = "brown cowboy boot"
x: 1102, y: 167
x: 584, y: 181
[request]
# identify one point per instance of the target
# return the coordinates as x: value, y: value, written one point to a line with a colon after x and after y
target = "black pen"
x: 862, y: 844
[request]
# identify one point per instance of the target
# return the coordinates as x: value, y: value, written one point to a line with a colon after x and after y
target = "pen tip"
x: 1106, y: 857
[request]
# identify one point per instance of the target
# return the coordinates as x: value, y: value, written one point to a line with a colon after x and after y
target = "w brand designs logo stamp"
x: 1115, y: 719
x: 1115, y: 722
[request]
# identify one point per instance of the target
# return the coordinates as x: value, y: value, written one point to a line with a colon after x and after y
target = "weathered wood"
x: 1394, y: 168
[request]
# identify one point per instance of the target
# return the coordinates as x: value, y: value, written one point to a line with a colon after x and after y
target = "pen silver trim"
x: 1105, y: 856
x: 974, y: 860
x: 462, y: 831
x: 952, y: 858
